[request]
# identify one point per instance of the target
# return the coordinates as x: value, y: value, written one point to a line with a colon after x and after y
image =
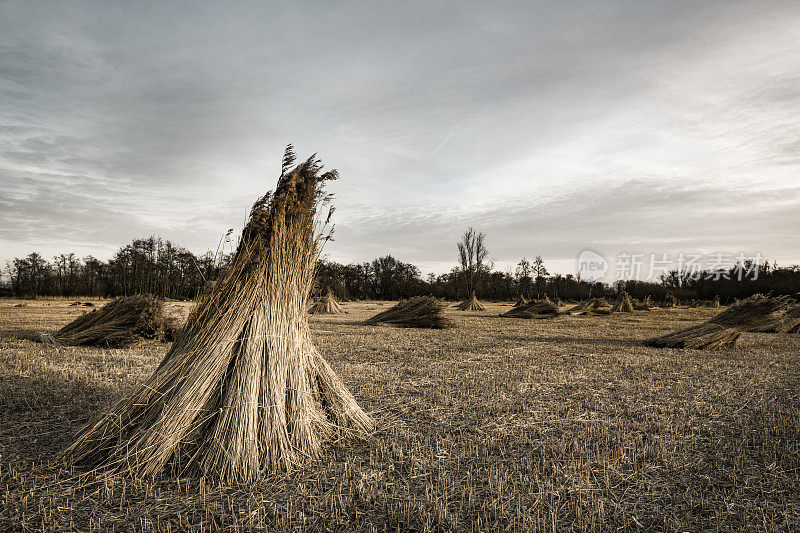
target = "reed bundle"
x: 642, y: 306
x: 327, y: 305
x: 723, y: 330
x: 521, y: 300
x: 595, y: 305
x: 471, y: 304
x: 788, y: 322
x: 119, y: 323
x: 242, y: 391
x: 418, y: 312
x: 623, y: 304
x: 536, y: 309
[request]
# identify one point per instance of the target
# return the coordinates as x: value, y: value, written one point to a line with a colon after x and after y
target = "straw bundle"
x: 540, y: 309
x: 418, y: 312
x: 119, y: 323
x: 723, y: 330
x: 471, y: 304
x: 623, y: 304
x: 242, y: 391
x: 716, y: 301
x: 327, y: 305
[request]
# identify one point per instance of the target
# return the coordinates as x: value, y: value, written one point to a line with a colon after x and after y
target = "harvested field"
x: 515, y: 424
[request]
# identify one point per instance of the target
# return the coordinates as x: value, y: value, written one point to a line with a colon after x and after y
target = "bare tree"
x: 472, y: 252
x: 540, y: 273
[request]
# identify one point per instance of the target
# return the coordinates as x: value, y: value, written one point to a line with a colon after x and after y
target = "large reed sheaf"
x: 242, y: 391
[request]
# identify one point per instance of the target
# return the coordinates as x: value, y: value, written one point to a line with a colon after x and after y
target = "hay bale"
x: 623, y: 304
x: 418, y: 312
x: 536, y: 309
x: 327, y: 305
x: 243, y: 391
x: 119, y: 323
x: 471, y: 304
x: 723, y: 330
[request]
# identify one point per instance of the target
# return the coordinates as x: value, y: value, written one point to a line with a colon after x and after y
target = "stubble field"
x: 497, y: 424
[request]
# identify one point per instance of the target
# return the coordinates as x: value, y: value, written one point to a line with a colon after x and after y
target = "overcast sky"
x: 552, y: 127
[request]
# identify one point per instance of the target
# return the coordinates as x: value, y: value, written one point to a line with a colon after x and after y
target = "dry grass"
x: 564, y: 424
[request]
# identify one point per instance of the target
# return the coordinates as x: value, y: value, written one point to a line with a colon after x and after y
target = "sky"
x: 552, y: 127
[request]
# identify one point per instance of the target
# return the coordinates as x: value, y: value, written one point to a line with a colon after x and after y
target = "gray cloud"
x: 549, y: 126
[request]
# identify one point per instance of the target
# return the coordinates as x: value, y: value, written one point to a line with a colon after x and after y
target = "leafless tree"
x: 472, y: 253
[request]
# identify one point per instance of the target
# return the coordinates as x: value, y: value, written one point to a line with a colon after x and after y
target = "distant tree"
x: 472, y: 252
x: 540, y: 274
x: 524, y: 277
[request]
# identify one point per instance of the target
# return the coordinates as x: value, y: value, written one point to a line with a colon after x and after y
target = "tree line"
x: 145, y: 266
x: 157, y: 266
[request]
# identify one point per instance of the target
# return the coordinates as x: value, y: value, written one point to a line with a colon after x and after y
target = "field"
x: 497, y: 424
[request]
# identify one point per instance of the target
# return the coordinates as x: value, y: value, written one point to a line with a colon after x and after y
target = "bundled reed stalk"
x: 723, y: 330
x: 540, y: 309
x: 119, y: 323
x: 521, y: 300
x: 471, y: 304
x: 642, y: 306
x: 788, y: 322
x: 595, y: 305
x: 327, y: 305
x: 623, y: 304
x: 418, y: 312
x: 716, y: 301
x: 242, y: 391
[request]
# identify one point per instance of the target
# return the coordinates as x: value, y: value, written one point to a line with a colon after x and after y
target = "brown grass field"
x: 497, y: 424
